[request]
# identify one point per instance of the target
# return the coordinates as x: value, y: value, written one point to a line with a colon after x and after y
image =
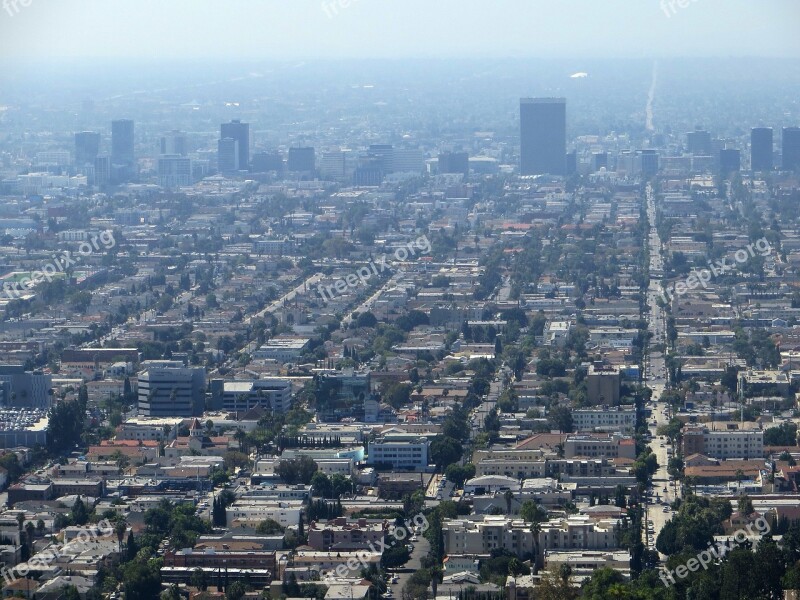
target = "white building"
x: 149, y: 429
x: 411, y: 455
x: 254, y: 511
x: 283, y: 349
x: 613, y: 419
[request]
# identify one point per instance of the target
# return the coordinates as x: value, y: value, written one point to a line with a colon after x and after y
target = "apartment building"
x: 345, y: 534
x: 730, y: 440
x: 599, y: 446
x: 612, y: 419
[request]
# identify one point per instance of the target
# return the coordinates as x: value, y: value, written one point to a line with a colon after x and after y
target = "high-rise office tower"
x: 649, y: 162
x: 228, y: 155
x: 408, y: 160
x: 122, y: 142
x: 454, y: 162
x: 543, y: 136
x: 699, y: 142
x: 385, y: 154
x: 301, y: 160
x: 790, y: 143
x: 264, y: 162
x: 333, y: 164
x: 102, y: 170
x: 599, y: 161
x: 175, y: 143
x: 730, y: 161
x: 240, y: 132
x: 174, y: 171
x: 761, y: 149
x: 168, y: 389
x: 87, y: 147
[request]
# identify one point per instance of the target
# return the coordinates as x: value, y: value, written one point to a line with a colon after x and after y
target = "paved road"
x: 308, y: 284
x: 421, y: 549
x: 656, y: 379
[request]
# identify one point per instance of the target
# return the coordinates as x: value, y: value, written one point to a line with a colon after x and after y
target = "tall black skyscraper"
x: 302, y: 160
x: 543, y: 136
x: 236, y: 130
x: 122, y: 142
x: 454, y: 162
x: 761, y: 149
x: 791, y: 148
x: 699, y: 142
x: 87, y: 147
x: 730, y: 161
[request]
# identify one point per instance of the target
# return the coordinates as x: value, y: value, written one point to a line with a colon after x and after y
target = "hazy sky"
x: 289, y: 29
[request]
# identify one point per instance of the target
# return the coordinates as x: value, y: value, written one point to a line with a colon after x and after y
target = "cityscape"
x: 365, y: 300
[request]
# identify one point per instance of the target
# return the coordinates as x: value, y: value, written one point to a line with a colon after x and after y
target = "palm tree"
x: 20, y: 520
x: 240, y: 436
x: 536, y: 528
x: 30, y: 529
x: 509, y: 496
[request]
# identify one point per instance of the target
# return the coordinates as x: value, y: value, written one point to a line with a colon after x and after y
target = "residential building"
x: 346, y: 534
x: 728, y: 441
x: 612, y: 419
x: 599, y: 446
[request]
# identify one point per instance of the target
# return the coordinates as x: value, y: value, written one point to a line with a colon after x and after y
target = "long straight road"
x: 656, y: 380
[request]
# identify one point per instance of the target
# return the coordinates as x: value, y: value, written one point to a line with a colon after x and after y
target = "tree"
x: 458, y: 474
x: 531, y: 512
x: 509, y: 497
x: 199, y: 579
x: 397, y: 395
x: 395, y: 556
x: 321, y: 485
x: 299, y: 470
x: 745, y: 505
x: 79, y: 513
x: 560, y: 419
x: 269, y: 527
x: 366, y: 319
x: 235, y: 591
x: 445, y: 451
x: 131, y: 548
x: 120, y: 528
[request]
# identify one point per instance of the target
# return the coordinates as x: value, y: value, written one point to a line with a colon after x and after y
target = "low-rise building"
x: 611, y: 419
x: 599, y: 446
x: 345, y: 534
x: 402, y: 455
